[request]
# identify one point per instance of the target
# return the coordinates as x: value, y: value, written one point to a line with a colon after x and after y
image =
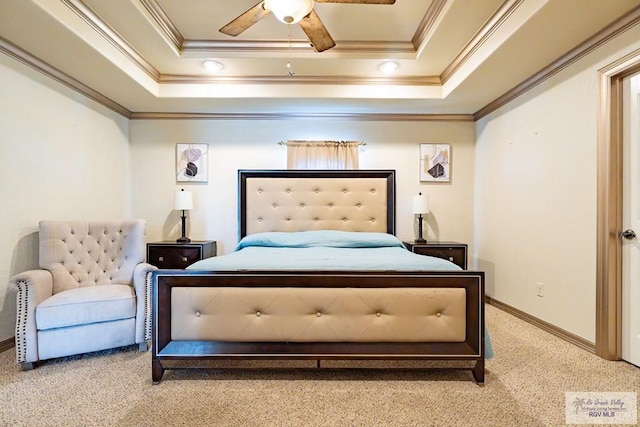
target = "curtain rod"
x: 337, y: 142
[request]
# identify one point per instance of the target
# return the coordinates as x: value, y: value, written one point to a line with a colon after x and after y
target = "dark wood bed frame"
x: 180, y: 354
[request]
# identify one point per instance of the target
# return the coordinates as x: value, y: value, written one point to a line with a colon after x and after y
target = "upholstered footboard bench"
x: 317, y: 316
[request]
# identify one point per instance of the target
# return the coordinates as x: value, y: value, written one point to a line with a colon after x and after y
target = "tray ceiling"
x: 455, y: 57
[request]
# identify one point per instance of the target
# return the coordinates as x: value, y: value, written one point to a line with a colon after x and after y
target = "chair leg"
x: 143, y: 346
x: 27, y: 366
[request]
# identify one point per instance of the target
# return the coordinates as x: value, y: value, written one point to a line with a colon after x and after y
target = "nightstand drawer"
x: 452, y: 251
x: 174, y: 255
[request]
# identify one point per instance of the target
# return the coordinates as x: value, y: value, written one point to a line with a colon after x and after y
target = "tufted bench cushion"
x: 319, y: 314
x: 81, y: 306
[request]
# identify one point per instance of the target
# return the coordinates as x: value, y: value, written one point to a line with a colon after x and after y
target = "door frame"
x: 609, y: 206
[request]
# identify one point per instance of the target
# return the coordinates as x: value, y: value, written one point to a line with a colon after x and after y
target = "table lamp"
x: 183, y: 201
x: 420, y: 206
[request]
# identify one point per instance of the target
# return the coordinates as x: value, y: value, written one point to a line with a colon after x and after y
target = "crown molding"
x: 480, y: 38
x: 103, y: 29
x: 36, y: 64
x: 616, y: 28
x: 301, y: 116
x: 316, y: 80
x: 163, y: 24
x: 202, y: 48
x: 29, y: 60
x: 427, y: 25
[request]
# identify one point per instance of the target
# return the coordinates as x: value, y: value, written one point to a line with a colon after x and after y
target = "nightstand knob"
x: 450, y: 258
x: 184, y: 258
x: 161, y: 258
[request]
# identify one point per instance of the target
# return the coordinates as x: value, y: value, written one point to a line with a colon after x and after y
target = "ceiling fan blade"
x: 245, y: 20
x: 358, y: 1
x: 317, y: 32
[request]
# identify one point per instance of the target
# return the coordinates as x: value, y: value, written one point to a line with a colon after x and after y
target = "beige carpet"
x: 525, y: 386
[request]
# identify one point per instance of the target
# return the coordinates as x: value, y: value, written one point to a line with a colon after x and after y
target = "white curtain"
x: 322, y: 154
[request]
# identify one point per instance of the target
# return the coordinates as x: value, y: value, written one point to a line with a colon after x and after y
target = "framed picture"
x: 192, y: 162
x: 435, y: 162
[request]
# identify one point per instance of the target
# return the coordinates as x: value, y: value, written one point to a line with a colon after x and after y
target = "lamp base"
x: 420, y: 239
x: 183, y: 238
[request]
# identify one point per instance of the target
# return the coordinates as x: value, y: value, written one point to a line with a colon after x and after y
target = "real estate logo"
x: 601, y: 408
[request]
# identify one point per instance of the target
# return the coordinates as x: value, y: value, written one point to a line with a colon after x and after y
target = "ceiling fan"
x: 293, y: 12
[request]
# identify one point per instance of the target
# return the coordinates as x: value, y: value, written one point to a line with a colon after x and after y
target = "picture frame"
x: 435, y: 162
x: 192, y: 162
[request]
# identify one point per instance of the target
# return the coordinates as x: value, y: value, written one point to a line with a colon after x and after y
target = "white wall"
x: 535, y: 199
x: 61, y: 157
x: 252, y: 144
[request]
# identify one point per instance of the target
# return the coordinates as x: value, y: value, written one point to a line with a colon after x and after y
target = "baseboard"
x: 548, y: 327
x: 7, y: 344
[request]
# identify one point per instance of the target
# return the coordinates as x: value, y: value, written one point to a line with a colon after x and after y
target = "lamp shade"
x: 183, y: 201
x: 420, y: 204
x: 289, y: 11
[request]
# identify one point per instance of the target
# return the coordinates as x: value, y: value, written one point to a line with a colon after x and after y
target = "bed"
x: 318, y: 275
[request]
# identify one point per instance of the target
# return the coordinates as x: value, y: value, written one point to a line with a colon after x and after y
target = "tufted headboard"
x: 300, y: 200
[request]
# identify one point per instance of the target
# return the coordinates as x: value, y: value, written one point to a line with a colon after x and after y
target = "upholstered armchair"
x: 92, y: 292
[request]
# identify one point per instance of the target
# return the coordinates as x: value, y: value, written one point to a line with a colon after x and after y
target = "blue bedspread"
x: 323, y: 250
x: 326, y: 250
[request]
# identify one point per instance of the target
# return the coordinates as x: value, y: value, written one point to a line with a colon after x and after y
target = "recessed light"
x: 388, y: 67
x: 212, y: 66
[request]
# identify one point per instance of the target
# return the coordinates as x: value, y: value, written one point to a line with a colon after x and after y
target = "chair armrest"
x: 142, y: 284
x: 34, y: 286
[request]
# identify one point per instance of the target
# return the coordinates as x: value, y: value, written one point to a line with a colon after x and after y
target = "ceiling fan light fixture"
x: 388, y: 67
x: 289, y: 11
x: 212, y: 66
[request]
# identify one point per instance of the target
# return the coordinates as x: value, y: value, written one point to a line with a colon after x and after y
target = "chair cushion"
x: 86, y: 305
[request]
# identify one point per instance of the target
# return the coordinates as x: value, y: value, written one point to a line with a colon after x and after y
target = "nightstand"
x: 452, y: 251
x: 170, y: 254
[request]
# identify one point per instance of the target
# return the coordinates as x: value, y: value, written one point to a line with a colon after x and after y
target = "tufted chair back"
x: 83, y: 253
